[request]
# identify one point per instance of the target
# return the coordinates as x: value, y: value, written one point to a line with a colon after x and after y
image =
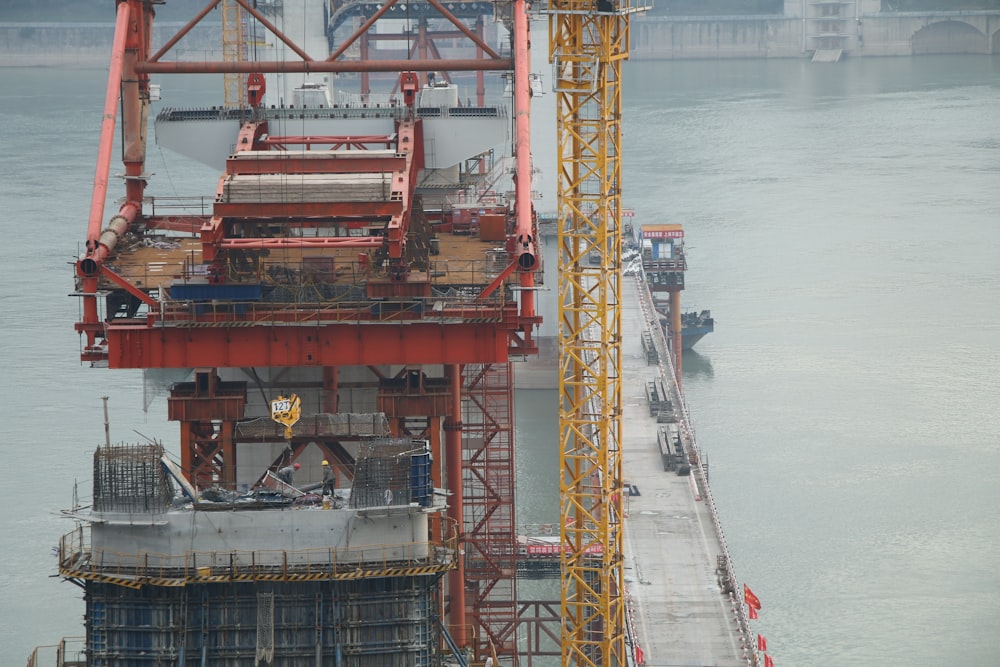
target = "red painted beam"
x: 138, y: 346
x: 183, y: 31
x: 411, y: 141
x: 284, y: 163
x: 105, y: 146
x: 323, y: 242
x: 492, y: 287
x: 212, y: 232
x: 524, y: 237
x: 268, y: 67
x: 153, y: 304
x: 457, y: 22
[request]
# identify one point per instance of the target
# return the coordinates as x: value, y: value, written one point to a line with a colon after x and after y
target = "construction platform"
x: 152, y: 262
x: 682, y: 607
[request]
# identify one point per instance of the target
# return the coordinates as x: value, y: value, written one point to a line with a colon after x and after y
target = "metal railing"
x: 666, y: 369
x: 69, y: 652
x: 427, y: 309
x: 77, y: 559
x: 194, y: 205
x: 307, y: 293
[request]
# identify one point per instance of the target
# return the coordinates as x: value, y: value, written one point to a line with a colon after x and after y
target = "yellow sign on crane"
x: 287, y: 411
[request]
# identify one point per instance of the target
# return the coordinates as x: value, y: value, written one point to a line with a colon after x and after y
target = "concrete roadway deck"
x: 681, y: 617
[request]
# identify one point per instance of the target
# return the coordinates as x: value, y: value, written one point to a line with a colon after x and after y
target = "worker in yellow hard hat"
x: 329, y: 479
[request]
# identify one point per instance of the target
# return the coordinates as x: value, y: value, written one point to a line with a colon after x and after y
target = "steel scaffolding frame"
x: 488, y: 498
x: 387, y: 622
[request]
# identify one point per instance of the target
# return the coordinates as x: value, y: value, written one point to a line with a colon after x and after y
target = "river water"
x: 842, y: 225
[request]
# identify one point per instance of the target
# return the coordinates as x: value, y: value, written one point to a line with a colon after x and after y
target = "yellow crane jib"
x: 286, y: 411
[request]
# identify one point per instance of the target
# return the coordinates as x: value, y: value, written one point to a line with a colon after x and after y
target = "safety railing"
x: 428, y: 309
x: 666, y: 370
x: 69, y: 652
x: 664, y: 264
x: 77, y: 559
x: 196, y: 205
x: 309, y: 292
x: 311, y: 272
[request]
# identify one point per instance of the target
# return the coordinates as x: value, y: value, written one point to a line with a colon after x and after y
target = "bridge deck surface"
x: 671, y: 548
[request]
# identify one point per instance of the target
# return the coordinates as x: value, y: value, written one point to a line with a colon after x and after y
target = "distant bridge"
x: 817, y: 26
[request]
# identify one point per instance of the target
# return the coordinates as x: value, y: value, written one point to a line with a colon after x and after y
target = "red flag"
x: 761, y: 642
x: 753, y: 613
x: 750, y: 598
x: 767, y: 661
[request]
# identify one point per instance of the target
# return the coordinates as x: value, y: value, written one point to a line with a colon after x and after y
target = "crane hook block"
x: 286, y: 411
x: 256, y: 87
x: 409, y: 84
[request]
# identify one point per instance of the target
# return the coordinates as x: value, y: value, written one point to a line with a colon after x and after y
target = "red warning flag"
x: 752, y: 613
x: 750, y: 598
x: 761, y: 642
x: 767, y: 661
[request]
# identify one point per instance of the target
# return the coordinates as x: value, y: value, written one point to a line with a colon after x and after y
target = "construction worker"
x: 285, y: 474
x: 431, y: 76
x: 329, y: 479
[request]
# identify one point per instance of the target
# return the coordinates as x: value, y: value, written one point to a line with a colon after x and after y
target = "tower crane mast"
x: 588, y: 41
x: 234, y: 49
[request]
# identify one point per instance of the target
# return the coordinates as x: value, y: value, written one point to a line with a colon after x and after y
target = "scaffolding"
x: 488, y: 498
x: 343, y: 601
x: 372, y: 623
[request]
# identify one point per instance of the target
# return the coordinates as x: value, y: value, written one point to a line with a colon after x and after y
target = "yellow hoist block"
x: 286, y: 411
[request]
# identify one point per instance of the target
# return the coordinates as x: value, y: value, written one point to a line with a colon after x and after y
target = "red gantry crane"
x: 318, y: 256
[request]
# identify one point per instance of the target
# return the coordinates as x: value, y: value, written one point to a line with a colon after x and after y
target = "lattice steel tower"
x: 588, y: 41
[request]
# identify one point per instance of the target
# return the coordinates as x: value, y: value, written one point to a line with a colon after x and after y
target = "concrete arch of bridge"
x: 953, y: 36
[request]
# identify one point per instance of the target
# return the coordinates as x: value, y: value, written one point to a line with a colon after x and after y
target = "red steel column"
x: 135, y: 102
x: 330, y: 379
x: 227, y: 443
x: 524, y: 232
x: 105, y: 146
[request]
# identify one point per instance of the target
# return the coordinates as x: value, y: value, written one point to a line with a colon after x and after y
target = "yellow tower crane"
x: 588, y: 42
x: 234, y: 49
